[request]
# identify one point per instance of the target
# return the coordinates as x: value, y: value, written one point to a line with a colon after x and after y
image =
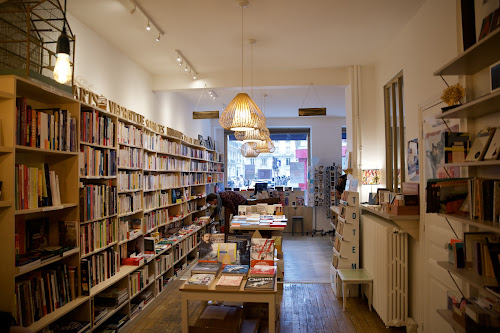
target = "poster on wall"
x: 249, y: 171
x: 413, y: 167
x: 434, y: 144
x: 297, y: 172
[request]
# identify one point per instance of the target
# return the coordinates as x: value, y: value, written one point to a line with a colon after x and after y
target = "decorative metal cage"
x: 264, y: 147
x: 254, y: 135
x: 29, y: 30
x: 248, y: 150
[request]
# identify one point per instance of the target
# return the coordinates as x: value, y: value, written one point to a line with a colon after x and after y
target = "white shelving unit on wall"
x: 122, y: 183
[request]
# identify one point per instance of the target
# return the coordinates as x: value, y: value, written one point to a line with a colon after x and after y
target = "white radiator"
x: 384, y: 253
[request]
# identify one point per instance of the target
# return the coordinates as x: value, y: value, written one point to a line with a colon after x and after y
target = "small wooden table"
x: 355, y: 276
x: 241, y: 295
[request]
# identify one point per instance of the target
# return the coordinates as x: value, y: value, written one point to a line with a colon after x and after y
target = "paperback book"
x: 229, y: 282
x: 226, y: 253
x: 199, y: 281
x: 207, y: 268
x: 235, y: 270
x: 260, y: 283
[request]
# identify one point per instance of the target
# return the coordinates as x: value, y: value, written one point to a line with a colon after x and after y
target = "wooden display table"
x: 268, y: 296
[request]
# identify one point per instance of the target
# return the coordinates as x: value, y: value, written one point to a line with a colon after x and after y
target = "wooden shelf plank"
x: 470, y: 276
x: 388, y: 216
x: 486, y: 225
x: 124, y: 271
x: 95, y: 145
x: 22, y: 270
x: 449, y: 318
x: 480, y: 55
x: 5, y: 203
x: 44, y: 209
x: 44, y: 151
x: 473, y: 164
x: 6, y: 150
x: 53, y: 316
x: 479, y: 107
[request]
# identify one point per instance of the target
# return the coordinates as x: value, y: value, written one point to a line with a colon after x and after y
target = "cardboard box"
x: 404, y: 210
x: 223, y: 319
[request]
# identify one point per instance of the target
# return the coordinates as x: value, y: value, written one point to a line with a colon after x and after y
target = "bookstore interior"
x: 147, y: 185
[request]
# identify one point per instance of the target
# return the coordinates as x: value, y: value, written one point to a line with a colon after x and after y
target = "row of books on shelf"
x: 156, y: 199
x: 98, y: 268
x: 475, y: 198
x: 130, y: 180
x: 129, y: 134
x: 43, y: 292
x: 139, y: 279
x: 97, y: 201
x: 36, y: 186
x: 45, y: 128
x: 459, y: 146
x: 97, y: 129
x: 161, y: 181
x: 129, y: 157
x: 129, y: 202
x: 478, y: 252
x: 97, y: 162
x: 475, y: 314
x: 96, y: 235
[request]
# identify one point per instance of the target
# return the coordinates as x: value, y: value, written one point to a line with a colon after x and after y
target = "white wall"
x: 103, y: 69
x: 177, y: 112
x: 428, y: 41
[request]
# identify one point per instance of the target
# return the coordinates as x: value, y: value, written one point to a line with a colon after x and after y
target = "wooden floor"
x: 305, y: 307
x: 307, y: 259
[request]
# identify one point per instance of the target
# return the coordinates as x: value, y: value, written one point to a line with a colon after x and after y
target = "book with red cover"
x: 262, y: 252
x: 263, y: 271
x: 229, y: 282
x: 132, y: 261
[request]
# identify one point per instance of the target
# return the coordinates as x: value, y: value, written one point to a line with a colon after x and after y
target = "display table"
x: 268, y: 296
x: 355, y: 276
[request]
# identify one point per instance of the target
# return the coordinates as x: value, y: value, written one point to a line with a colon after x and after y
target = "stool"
x: 356, y: 276
x: 297, y: 219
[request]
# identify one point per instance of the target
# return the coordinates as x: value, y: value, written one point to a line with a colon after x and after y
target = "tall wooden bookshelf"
x: 139, y: 190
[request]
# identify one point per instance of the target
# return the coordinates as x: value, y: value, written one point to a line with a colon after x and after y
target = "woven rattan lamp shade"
x: 254, y: 135
x: 247, y: 150
x: 242, y: 114
x: 264, y: 147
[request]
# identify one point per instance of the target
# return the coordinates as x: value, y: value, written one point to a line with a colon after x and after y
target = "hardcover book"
x: 229, y: 282
x: 235, y: 270
x: 262, y: 252
x: 199, y: 281
x: 37, y: 233
x: 480, y: 145
x: 242, y: 248
x: 260, y: 283
x: 263, y: 271
x: 207, y: 268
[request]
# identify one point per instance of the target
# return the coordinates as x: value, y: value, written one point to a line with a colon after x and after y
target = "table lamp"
x: 371, y: 177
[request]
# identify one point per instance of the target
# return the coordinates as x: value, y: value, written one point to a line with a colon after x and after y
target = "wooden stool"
x: 356, y: 276
x: 297, y: 219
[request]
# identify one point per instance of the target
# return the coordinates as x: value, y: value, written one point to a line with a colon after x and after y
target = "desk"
x: 269, y: 296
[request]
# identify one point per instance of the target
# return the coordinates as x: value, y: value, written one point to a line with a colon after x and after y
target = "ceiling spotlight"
x: 158, y: 38
x: 180, y: 62
x: 186, y: 68
x: 195, y: 76
x: 179, y: 59
x: 148, y: 27
x: 133, y: 9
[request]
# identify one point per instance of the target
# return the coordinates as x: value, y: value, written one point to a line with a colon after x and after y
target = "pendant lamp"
x: 254, y: 135
x: 62, y: 69
x: 264, y: 147
x: 242, y: 114
x: 247, y: 150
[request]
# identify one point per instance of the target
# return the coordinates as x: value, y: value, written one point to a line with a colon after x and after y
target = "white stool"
x: 356, y: 276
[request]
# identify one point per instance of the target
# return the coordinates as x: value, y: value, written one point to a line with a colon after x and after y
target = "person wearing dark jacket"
x: 230, y: 200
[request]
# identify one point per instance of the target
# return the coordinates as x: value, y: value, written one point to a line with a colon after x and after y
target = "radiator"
x: 384, y: 250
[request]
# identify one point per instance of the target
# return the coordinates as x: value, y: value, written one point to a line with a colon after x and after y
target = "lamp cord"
x: 199, y: 99
x: 241, y: 48
x: 64, y: 23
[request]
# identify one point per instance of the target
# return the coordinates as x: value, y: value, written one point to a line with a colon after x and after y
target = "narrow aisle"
x: 307, y: 259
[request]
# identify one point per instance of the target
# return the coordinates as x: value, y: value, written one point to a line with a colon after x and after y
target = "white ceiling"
x: 294, y: 36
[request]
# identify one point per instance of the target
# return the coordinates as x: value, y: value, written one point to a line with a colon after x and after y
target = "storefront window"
x: 287, y: 166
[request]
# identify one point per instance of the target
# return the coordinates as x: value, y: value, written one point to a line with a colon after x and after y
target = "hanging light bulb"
x: 148, y: 27
x: 247, y: 150
x: 62, y: 69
